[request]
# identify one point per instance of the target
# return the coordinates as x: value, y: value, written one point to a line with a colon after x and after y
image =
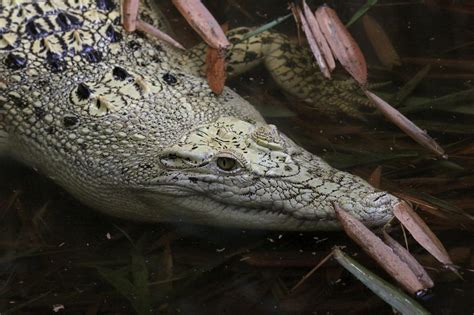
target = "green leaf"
x: 361, y: 11
x: 118, y: 280
x: 265, y: 27
x: 140, y: 279
x: 387, y: 292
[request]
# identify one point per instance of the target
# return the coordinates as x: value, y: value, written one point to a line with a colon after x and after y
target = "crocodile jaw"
x: 276, y: 185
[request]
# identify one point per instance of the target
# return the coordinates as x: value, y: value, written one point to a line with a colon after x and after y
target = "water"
x: 56, y: 251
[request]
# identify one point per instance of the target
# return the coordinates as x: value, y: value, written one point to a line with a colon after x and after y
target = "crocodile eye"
x: 226, y: 164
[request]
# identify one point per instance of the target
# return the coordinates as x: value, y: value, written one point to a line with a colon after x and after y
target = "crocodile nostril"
x: 378, y: 199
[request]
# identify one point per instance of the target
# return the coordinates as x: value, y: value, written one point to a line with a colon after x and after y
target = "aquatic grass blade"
x: 366, y: 7
x: 118, y: 280
x: 411, y: 85
x: 387, y: 292
x: 266, y: 27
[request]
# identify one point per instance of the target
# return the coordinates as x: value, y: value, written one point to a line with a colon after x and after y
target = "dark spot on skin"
x: 92, y: 55
x: 290, y: 64
x: 98, y: 103
x: 140, y: 34
x: 83, y: 91
x: 158, y: 47
x: 287, y: 168
x: 113, y: 35
x: 241, y: 31
x: 266, y: 40
x: 34, y: 30
x: 68, y: 21
x: 105, y: 5
x: 43, y: 83
x: 250, y: 56
x: 285, y: 47
x: 156, y: 58
x: 70, y: 121
x: 50, y: 130
x: 56, y: 63
x: 120, y: 73
x: 83, y: 146
x: 170, y: 79
x: 193, y: 179
x: 134, y: 45
x: 18, y: 102
x: 39, y: 112
x: 15, y: 62
x: 365, y: 109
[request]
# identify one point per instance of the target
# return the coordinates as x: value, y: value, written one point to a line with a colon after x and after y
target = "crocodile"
x: 127, y: 125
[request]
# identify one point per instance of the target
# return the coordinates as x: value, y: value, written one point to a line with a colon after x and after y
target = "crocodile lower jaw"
x: 217, y: 213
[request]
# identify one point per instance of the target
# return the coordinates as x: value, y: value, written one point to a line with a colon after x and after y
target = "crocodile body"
x: 126, y: 125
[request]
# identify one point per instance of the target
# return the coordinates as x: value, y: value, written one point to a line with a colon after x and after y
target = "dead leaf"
x: 320, y: 60
x: 408, y: 258
x: 421, y: 232
x: 130, y: 15
x: 343, y: 46
x: 381, y: 43
x: 202, y: 21
x: 319, y: 37
x: 374, y: 178
x: 412, y: 130
x: 215, y: 73
x: 379, y: 251
x: 150, y: 29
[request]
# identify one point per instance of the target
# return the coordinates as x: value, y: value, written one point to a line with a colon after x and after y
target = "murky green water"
x: 57, y: 252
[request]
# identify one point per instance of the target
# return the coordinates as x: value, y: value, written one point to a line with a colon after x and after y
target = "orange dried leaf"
x: 379, y: 251
x: 313, y: 45
x: 407, y: 258
x: 381, y: 43
x: 150, y: 29
x: 421, y: 232
x: 202, y: 21
x: 319, y: 37
x: 215, y: 73
x: 412, y: 130
x: 130, y: 14
x: 374, y: 178
x: 343, y: 46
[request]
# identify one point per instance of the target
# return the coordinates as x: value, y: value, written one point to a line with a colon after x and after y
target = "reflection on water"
x: 57, y: 252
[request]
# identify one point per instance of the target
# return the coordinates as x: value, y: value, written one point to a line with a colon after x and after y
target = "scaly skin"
x: 121, y: 122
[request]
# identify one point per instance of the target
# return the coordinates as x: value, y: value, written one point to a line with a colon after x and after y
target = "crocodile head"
x: 234, y: 173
